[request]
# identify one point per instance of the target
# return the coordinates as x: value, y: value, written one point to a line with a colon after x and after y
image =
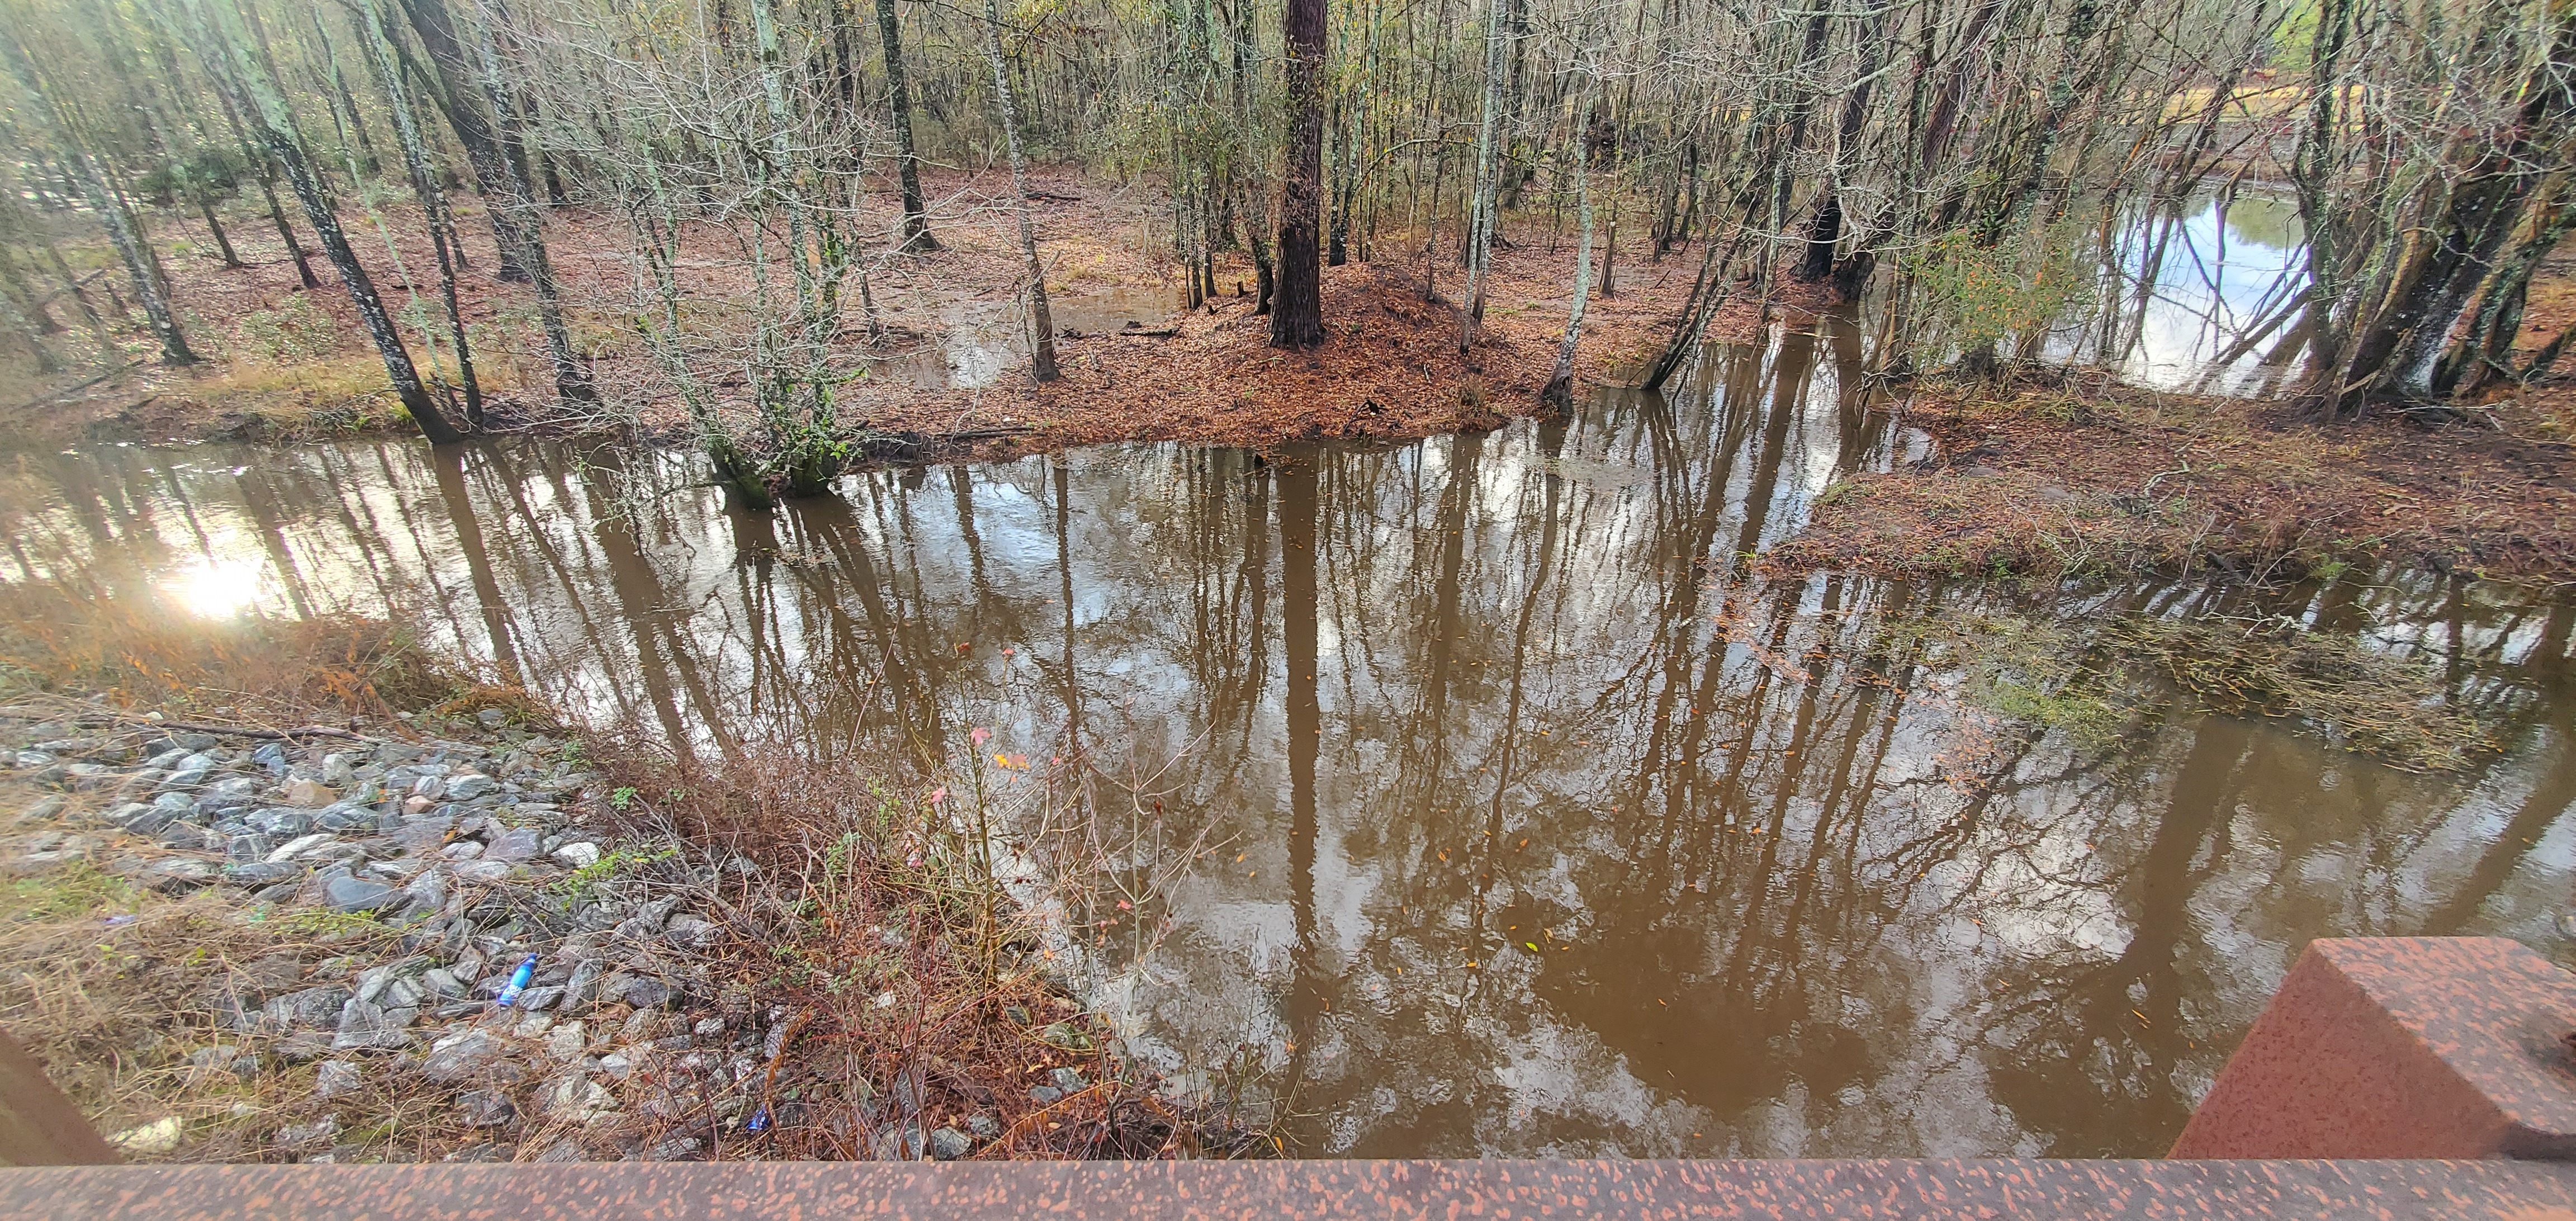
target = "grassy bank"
x: 265, y: 880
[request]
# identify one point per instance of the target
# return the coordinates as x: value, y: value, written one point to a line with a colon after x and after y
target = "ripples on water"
x: 1519, y: 850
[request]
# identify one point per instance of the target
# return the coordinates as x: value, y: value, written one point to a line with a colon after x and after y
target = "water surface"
x: 1503, y: 811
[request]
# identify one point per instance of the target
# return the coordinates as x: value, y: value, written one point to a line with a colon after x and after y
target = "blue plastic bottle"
x: 518, y: 982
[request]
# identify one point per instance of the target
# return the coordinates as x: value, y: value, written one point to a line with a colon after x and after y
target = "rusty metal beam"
x: 1486, y: 1190
x: 38, y: 1126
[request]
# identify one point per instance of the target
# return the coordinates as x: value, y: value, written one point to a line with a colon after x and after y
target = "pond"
x: 1494, y: 805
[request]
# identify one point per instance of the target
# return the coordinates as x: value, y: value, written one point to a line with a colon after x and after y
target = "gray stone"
x: 460, y: 1057
x: 337, y: 1078
x: 583, y: 987
x: 189, y: 773
x: 949, y: 1144
x: 311, y: 1007
x: 271, y: 756
x: 353, y: 894
x: 346, y: 816
x: 670, y: 1150
x: 190, y: 837
x: 280, y: 822
x: 468, y: 786
x: 486, y: 1108
x: 462, y: 850
x: 646, y: 993
x: 34, y: 758
x: 229, y: 793
x: 442, y: 983
x: 692, y: 933
x: 178, y: 875
x: 165, y: 760
x: 302, y: 846
x: 483, y: 871
x: 307, y: 1135
x: 515, y: 844
x: 251, y: 875
x: 575, y: 1098
x: 568, y: 1042
x: 141, y: 819
x: 1043, y: 1094
x: 249, y: 846
x: 984, y: 1126
x: 579, y: 855
x: 493, y: 718
x: 1066, y: 1079
x: 363, y: 1025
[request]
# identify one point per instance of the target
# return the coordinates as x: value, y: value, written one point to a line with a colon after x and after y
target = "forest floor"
x: 284, y: 364
x: 2080, y: 476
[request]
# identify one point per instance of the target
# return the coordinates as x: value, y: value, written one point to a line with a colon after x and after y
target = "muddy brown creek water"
x: 1493, y: 806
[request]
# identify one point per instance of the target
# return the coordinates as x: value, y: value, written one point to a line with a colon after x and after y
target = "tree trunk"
x: 433, y: 203
x: 1297, y: 307
x: 572, y: 376
x: 916, y: 224
x: 429, y: 20
x: 267, y: 106
x: 1560, y: 382
x: 1042, y: 354
x: 111, y: 213
x: 1481, y: 220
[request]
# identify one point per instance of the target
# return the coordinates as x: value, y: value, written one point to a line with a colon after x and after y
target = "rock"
x: 468, y: 786
x: 583, y: 987
x: 493, y: 718
x: 347, y: 816
x: 337, y: 1078
x: 229, y: 793
x: 271, y: 756
x: 568, y: 1042
x: 535, y: 999
x: 307, y: 1135
x: 178, y: 875
x: 575, y: 1098
x: 617, y: 1064
x: 1066, y: 1079
x: 646, y: 993
x: 708, y: 1028
x: 251, y: 875
x: 1043, y: 1094
x: 984, y: 1126
x: 363, y: 1025
x: 150, y: 1140
x: 355, y: 894
x: 692, y: 933
x: 441, y: 983
x: 311, y: 1007
x: 190, y: 837
x: 462, y: 850
x: 949, y: 1144
x: 35, y: 758
x: 279, y: 822
x: 559, y: 1152
x: 142, y: 819
x: 309, y: 793
x: 670, y: 1150
x: 464, y: 1056
x: 300, y: 846
x: 337, y: 769
x: 516, y: 844
x: 486, y: 872
x: 486, y: 1108
x: 164, y: 760
x: 579, y: 855
x: 190, y: 773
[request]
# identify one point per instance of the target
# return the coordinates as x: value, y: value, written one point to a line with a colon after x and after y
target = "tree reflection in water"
x: 1560, y: 830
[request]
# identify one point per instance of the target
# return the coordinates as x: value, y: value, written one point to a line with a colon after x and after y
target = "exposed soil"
x: 2092, y: 476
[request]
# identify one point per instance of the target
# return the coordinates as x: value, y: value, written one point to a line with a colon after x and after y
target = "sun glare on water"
x: 214, y: 589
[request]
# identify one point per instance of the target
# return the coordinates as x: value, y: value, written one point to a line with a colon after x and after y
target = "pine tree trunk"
x: 1297, y: 306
